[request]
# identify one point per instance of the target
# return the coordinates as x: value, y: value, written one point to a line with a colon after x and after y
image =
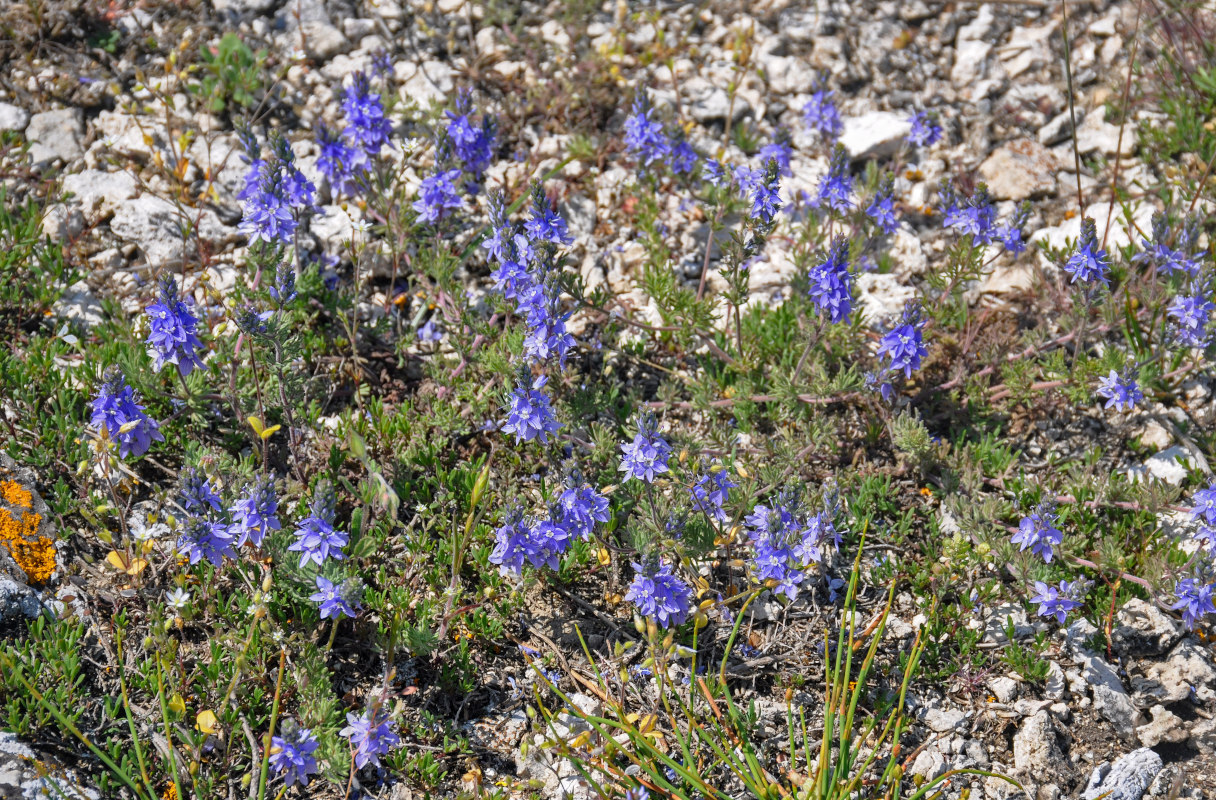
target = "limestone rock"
x: 1020, y: 170
x: 1127, y: 779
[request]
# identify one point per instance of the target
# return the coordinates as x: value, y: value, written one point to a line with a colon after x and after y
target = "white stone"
x: 873, y: 135
x: 100, y: 191
x: 1168, y: 466
x: 1095, y: 134
x: 882, y: 297
x: 55, y: 135
x: 13, y: 118
x: 907, y: 254
x: 1020, y: 170
x: 155, y: 226
x: 79, y: 304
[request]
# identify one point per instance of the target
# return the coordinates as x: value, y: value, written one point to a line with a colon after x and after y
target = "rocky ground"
x: 128, y: 153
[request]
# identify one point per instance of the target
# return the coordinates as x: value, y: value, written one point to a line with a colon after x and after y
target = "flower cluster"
x: 1194, y: 600
x: 171, y: 331
x: 926, y: 129
x: 903, y: 346
x: 787, y: 540
x: 530, y: 413
x: 438, y: 195
x: 1162, y: 256
x: 645, y: 457
x: 336, y: 600
x: 821, y: 115
x: 293, y: 754
x: 835, y: 188
x: 1190, y: 315
x: 117, y: 411
x: 1038, y: 532
x: 317, y: 539
x: 1055, y: 602
x: 659, y: 594
x: 542, y: 542
x: 1121, y: 391
x: 882, y: 207
x: 371, y: 734
x: 1203, y: 513
x: 976, y: 217
x: 1088, y: 263
x: 644, y: 137
x: 831, y: 283
x: 473, y: 145
x: 255, y: 513
x: 711, y: 491
x: 275, y: 196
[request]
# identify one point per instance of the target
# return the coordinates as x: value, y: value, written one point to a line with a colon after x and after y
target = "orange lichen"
x: 15, y: 494
x: 33, y: 553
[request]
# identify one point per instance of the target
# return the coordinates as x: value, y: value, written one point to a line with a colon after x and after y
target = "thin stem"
x: 1072, y: 111
x: 274, y: 718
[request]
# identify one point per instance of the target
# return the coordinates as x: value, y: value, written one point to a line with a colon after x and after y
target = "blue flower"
x: 1121, y: 391
x: 547, y: 335
x: 821, y: 115
x: 1191, y: 314
x: 372, y: 734
x: 1010, y: 234
x: 430, y: 332
x: 646, y: 456
x: 292, y: 754
x: 713, y: 173
x: 1037, y: 532
x: 683, y: 158
x: 275, y: 190
x: 786, y: 541
x: 1194, y: 601
x: 836, y: 187
x: 644, y: 138
x: 581, y: 507
x: 171, y: 331
x: 1161, y: 256
x: 1204, y: 504
x: 437, y: 195
x: 974, y: 216
x: 205, y: 539
x: 512, y: 279
x: 529, y: 413
x: 546, y: 225
x: 116, y: 409
x: 256, y: 513
x: 882, y: 207
x: 366, y: 124
x: 198, y: 497
x: 1089, y: 262
x: 831, y: 284
x: 780, y: 152
x: 660, y: 595
x: 926, y: 130
x: 342, y: 164
x: 474, y: 144
x: 766, y: 201
x: 316, y: 538
x: 904, y: 344
x: 335, y: 600
x: 711, y: 491
x: 1055, y: 602
x: 514, y: 543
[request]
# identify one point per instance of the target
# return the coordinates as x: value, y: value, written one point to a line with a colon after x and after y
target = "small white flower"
x: 177, y: 598
x: 361, y: 225
x: 142, y: 532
